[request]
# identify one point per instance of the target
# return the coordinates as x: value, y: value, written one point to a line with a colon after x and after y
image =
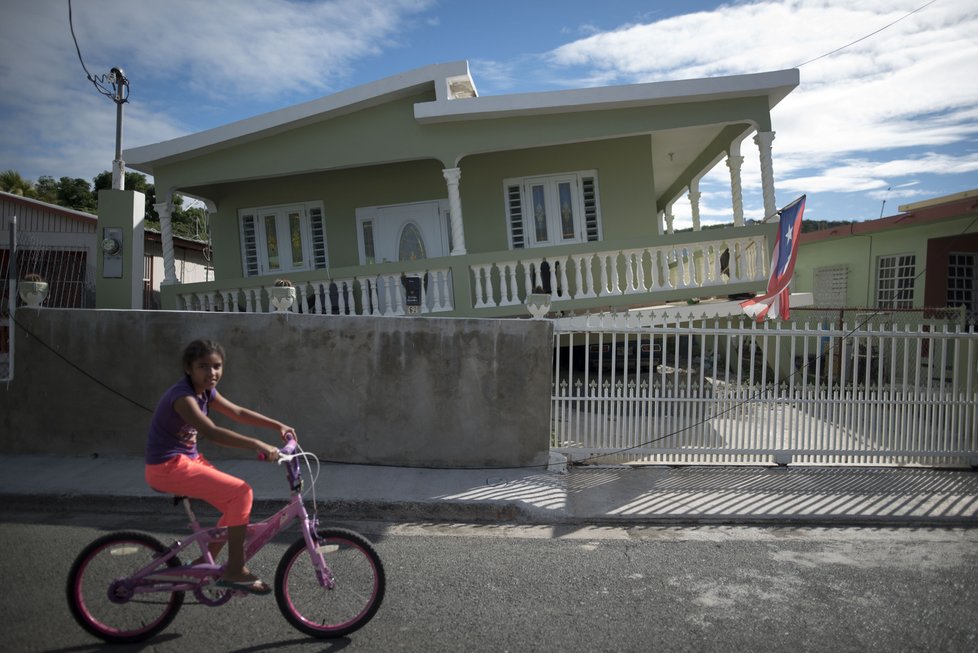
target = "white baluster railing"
x: 616, y: 273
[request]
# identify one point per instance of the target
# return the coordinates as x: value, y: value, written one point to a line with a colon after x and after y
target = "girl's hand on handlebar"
x: 268, y: 453
x: 286, y: 432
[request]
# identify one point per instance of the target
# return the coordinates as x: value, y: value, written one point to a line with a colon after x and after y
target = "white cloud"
x: 912, y: 85
x: 270, y: 50
x: 886, y: 111
x: 181, y: 58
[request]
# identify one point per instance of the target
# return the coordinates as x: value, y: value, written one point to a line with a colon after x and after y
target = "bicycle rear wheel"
x: 356, y: 594
x: 104, y: 605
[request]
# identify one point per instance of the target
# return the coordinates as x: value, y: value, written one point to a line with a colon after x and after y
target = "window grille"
x: 895, y: 281
x: 962, y: 274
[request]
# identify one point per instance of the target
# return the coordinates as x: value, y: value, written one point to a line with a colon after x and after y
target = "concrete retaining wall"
x: 400, y: 391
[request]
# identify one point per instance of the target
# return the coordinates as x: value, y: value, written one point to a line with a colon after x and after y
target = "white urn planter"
x: 32, y: 293
x: 538, y: 305
x: 281, y: 298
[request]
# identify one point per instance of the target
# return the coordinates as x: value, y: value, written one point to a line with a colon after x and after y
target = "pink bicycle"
x: 127, y: 586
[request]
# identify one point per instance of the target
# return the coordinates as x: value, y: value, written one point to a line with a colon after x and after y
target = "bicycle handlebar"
x: 290, y: 446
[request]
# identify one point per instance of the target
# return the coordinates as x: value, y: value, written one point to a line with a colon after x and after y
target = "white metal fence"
x: 730, y: 391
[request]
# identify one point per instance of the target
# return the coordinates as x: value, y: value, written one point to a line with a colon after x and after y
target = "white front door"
x: 403, y: 232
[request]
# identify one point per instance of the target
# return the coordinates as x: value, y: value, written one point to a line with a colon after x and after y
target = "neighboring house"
x: 413, y: 194
x: 61, y: 244
x: 192, y: 264
x: 55, y: 242
x: 925, y: 257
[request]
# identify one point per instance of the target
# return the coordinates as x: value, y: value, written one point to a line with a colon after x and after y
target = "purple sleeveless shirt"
x: 169, y: 435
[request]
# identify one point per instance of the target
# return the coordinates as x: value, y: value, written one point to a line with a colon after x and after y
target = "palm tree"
x: 12, y: 182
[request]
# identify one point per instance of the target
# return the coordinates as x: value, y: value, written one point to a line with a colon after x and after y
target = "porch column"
x: 735, y: 162
x: 452, y: 176
x: 694, y: 203
x: 164, y: 210
x: 669, y: 216
x: 763, y: 140
x: 211, y: 209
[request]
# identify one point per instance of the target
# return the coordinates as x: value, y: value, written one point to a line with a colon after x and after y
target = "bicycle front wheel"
x: 349, y: 600
x: 105, y: 604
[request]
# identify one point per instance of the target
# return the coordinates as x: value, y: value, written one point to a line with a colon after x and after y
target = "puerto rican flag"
x: 774, y: 303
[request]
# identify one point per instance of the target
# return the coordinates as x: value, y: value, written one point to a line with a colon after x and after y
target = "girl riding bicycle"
x: 174, y: 465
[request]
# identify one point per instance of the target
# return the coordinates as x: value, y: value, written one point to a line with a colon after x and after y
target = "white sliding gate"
x: 729, y: 391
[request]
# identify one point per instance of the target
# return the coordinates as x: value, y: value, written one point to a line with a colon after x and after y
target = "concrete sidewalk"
x: 583, y: 495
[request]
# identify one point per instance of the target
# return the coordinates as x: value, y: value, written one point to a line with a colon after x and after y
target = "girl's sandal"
x: 258, y: 586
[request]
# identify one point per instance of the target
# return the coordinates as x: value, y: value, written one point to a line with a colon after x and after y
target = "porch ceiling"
x: 677, y: 155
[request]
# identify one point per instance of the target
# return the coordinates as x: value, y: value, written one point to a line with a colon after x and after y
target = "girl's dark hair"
x: 200, y: 348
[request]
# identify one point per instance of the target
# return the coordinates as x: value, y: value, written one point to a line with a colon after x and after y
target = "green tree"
x: 186, y: 222
x: 77, y: 194
x: 46, y: 189
x: 134, y: 181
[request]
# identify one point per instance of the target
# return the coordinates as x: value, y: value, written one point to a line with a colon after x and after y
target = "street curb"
x: 464, y: 512
x: 335, y: 509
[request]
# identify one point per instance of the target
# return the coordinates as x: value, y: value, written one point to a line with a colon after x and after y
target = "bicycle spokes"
x: 337, y: 599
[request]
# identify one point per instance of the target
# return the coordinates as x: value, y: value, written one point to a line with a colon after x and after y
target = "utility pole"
x: 118, y: 80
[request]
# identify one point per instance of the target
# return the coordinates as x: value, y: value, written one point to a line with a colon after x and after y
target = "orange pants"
x: 198, y: 479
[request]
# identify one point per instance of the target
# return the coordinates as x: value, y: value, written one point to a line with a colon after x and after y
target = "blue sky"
x: 888, y: 120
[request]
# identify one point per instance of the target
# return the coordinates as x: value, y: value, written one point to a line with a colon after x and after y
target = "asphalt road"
x: 479, y: 588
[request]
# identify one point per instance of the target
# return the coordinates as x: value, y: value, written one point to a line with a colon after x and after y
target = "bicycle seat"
x: 175, y: 498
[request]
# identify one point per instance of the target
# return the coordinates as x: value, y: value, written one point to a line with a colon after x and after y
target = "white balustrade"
x: 617, y: 273
x: 378, y: 295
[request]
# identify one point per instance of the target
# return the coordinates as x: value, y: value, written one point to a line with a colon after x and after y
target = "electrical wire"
x: 863, y: 38
x: 116, y: 80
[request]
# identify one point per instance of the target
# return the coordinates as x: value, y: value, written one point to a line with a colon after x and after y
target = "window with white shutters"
x: 249, y: 245
x: 282, y: 239
x: 553, y: 209
x: 320, y: 259
x: 514, y: 208
x: 592, y: 226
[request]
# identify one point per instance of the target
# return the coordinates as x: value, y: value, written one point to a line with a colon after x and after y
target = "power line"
x: 924, y: 6
x: 120, y: 85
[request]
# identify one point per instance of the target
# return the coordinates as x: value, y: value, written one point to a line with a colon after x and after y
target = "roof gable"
x: 445, y: 79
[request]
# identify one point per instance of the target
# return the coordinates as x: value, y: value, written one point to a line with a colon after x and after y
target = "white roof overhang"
x: 457, y: 100
x: 775, y: 85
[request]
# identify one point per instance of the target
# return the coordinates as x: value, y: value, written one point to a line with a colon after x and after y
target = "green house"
x: 414, y: 194
x: 926, y: 257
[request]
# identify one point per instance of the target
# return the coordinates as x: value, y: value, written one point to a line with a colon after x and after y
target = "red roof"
x: 917, y: 214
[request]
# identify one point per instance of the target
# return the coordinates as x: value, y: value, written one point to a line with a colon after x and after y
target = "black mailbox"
x: 412, y: 294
